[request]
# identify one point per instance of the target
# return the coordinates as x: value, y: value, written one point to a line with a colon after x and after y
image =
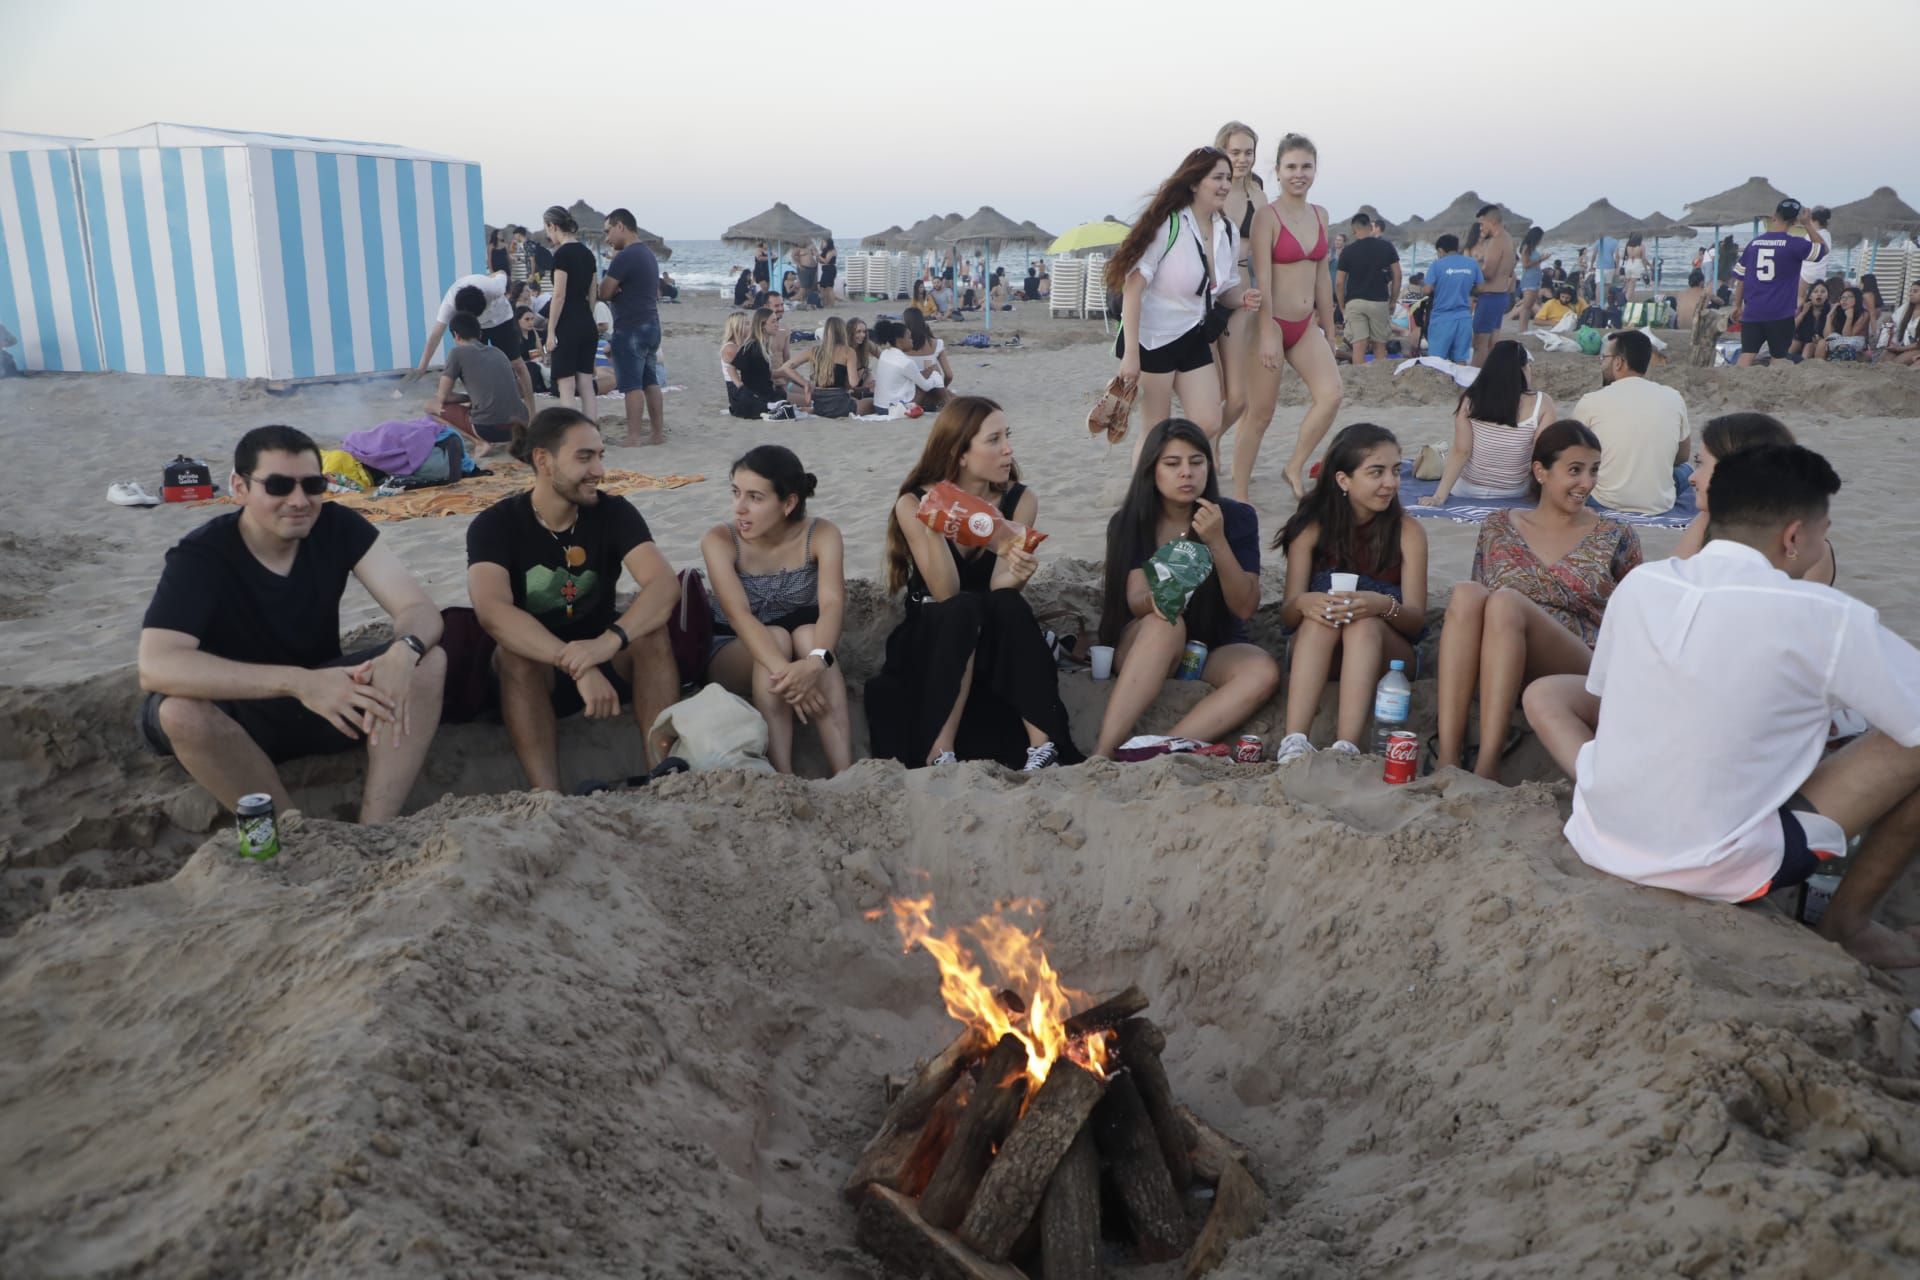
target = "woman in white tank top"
x: 1493, y: 429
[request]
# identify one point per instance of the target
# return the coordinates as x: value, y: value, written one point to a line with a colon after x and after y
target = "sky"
x: 699, y: 115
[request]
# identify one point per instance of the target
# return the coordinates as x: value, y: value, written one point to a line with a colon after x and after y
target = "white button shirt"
x: 1718, y: 676
x: 1172, y: 303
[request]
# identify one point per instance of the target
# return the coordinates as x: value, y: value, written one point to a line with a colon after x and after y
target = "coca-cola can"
x: 1248, y: 750
x: 1403, y: 757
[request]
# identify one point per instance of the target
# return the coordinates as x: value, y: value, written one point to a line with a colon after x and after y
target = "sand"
x: 645, y: 1034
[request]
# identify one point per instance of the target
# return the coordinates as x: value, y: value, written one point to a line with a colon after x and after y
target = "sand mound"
x: 643, y: 1034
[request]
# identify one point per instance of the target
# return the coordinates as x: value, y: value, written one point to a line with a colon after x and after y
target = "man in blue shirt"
x: 1606, y: 262
x: 1452, y: 281
x: 631, y: 288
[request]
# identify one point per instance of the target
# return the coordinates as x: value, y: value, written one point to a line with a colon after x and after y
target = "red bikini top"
x: 1286, y: 249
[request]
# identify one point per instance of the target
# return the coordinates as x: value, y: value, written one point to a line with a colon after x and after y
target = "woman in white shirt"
x: 898, y: 378
x: 1174, y: 266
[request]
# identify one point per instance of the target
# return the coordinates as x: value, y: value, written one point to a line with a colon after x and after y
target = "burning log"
x: 1238, y: 1207
x: 931, y: 1082
x: 1124, y: 1133
x: 1108, y: 1012
x: 1141, y: 1044
x: 1011, y: 1192
x: 892, y: 1230
x: 989, y: 1117
x: 1212, y: 1150
x: 904, y: 1158
x: 1070, y: 1215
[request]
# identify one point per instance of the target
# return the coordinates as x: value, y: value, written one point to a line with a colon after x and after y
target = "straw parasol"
x: 1876, y: 217
x: 778, y: 228
x: 1374, y: 214
x: 882, y: 239
x: 1658, y: 226
x: 1465, y: 208
x: 993, y: 229
x: 1751, y: 201
x: 1035, y: 234
x: 1598, y: 219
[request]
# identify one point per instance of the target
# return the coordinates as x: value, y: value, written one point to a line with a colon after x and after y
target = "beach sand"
x: 644, y: 1034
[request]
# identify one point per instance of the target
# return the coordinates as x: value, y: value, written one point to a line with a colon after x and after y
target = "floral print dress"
x: 1574, y: 589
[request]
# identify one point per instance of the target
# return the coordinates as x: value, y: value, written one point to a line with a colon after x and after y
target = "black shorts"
x: 1184, y: 354
x: 502, y: 434
x: 1775, y: 335
x: 566, y: 694
x: 508, y: 339
x: 574, y: 355
x: 281, y: 727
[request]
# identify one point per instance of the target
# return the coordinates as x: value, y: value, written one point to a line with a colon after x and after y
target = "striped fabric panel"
x: 45, y: 298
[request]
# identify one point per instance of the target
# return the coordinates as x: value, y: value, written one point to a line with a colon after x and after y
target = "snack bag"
x: 1174, y: 573
x: 967, y: 521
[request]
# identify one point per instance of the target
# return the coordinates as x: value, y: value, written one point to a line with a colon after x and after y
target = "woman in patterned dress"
x: 1541, y: 580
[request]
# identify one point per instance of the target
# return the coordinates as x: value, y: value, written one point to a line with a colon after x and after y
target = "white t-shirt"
x: 1172, y: 303
x: 498, y: 310
x: 895, y: 376
x: 1718, y: 676
x: 602, y: 314
x: 1811, y: 270
x: 1640, y: 424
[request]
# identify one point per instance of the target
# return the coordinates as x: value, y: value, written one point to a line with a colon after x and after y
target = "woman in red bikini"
x: 1296, y: 313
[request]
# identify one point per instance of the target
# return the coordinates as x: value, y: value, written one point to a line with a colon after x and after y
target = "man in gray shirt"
x: 631, y: 290
x: 494, y: 406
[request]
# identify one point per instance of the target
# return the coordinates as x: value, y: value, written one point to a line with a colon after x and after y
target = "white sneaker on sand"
x: 1293, y: 747
x: 1345, y: 748
x: 129, y: 493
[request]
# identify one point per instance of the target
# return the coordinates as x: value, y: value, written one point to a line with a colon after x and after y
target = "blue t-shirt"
x: 638, y: 272
x: 1453, y: 278
x: 1606, y: 249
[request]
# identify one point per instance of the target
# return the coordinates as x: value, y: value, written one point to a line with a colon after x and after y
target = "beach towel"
x: 397, y: 448
x: 1462, y: 374
x: 476, y: 493
x: 1476, y: 510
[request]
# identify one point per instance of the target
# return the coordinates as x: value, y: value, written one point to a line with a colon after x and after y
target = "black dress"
x: 756, y: 390
x: 1014, y: 675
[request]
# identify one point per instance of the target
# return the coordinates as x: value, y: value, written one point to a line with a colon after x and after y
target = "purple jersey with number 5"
x: 1770, y: 265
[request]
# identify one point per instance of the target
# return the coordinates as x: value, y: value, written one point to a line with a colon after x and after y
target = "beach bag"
x: 1590, y: 339
x: 1113, y: 411
x: 713, y: 729
x: 1593, y: 318
x: 690, y: 627
x: 472, y: 688
x: 1429, y: 463
x: 346, y: 470
x: 832, y: 402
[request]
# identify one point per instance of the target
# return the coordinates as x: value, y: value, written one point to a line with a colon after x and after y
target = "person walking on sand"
x: 240, y: 661
x: 631, y: 290
x: 1364, y: 288
x: 572, y: 339
x: 1234, y: 352
x: 1496, y: 257
x: 1296, y: 317
x: 541, y: 571
x: 1734, y: 645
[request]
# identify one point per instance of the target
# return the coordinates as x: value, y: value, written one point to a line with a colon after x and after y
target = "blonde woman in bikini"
x: 1289, y: 254
x: 1235, y: 350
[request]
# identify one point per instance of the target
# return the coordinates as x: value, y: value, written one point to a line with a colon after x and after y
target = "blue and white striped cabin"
x: 239, y: 255
x: 46, y: 298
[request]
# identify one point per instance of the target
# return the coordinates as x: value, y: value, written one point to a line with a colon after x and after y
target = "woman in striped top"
x: 1494, y: 426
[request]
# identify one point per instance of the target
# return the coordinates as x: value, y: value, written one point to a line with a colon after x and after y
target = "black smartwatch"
x: 620, y: 631
x: 414, y: 643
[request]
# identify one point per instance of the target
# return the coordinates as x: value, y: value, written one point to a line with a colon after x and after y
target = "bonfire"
x: 990, y: 1161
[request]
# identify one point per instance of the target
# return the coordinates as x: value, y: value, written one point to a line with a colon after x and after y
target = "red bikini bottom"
x: 1291, y: 331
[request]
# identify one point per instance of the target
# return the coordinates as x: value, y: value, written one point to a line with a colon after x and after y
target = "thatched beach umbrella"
x: 1876, y: 217
x: 1751, y: 201
x: 882, y: 239
x: 1598, y: 219
x: 778, y: 228
x: 1659, y: 226
x: 1036, y: 234
x: 1466, y: 206
x: 1372, y: 213
x: 993, y: 229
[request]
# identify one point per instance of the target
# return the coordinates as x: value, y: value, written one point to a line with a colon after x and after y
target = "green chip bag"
x: 1174, y: 573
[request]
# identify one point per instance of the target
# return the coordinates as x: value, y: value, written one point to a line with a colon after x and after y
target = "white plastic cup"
x: 1345, y: 583
x: 1102, y: 655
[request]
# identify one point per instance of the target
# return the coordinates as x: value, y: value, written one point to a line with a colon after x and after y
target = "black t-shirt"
x: 580, y: 567
x: 576, y: 260
x: 542, y: 259
x: 216, y: 591
x: 1369, y: 267
x: 762, y: 270
x: 742, y: 289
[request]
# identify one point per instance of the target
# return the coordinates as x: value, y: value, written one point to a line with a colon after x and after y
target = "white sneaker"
x: 1345, y: 748
x: 945, y: 757
x: 128, y: 493
x: 1293, y: 747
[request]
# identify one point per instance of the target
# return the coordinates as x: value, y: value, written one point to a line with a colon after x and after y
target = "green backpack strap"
x: 1173, y: 229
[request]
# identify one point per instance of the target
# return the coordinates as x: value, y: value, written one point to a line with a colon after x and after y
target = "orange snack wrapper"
x: 967, y: 521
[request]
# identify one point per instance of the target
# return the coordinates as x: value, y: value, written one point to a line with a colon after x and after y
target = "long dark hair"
x: 1555, y: 440
x: 781, y: 468
x: 1175, y: 194
x: 1500, y: 385
x: 1729, y: 433
x: 1131, y: 536
x: 947, y: 443
x: 917, y: 327
x: 1327, y: 507
x: 1535, y: 234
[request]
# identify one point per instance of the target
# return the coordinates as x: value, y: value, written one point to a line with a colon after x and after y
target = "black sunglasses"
x: 279, y: 486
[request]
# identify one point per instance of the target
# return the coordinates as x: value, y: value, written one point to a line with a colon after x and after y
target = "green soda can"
x: 259, y: 831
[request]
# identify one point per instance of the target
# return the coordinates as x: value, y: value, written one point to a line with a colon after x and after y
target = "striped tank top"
x: 777, y: 595
x: 1503, y: 455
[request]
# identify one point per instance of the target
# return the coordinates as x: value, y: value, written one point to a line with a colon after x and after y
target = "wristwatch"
x: 414, y: 643
x: 825, y: 656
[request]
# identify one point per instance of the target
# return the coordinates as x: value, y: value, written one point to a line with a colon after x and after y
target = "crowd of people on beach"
x: 1742, y: 633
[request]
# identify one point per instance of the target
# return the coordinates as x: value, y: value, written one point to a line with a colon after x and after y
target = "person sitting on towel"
x: 541, y: 571
x: 240, y: 661
x: 1720, y: 675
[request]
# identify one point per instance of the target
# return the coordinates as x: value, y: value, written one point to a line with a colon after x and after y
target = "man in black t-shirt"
x: 240, y: 655
x: 541, y: 570
x: 1364, y: 287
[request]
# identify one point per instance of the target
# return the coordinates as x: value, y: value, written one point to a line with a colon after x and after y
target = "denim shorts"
x: 636, y: 356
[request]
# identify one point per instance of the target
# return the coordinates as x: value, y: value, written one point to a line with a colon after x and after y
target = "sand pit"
x: 645, y: 1034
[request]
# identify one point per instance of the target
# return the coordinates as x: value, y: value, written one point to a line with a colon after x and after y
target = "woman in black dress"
x: 968, y: 674
x: 571, y: 333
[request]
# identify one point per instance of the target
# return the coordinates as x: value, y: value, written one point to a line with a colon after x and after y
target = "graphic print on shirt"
x: 550, y: 589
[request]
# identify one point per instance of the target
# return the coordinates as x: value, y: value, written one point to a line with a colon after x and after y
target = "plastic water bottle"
x: 1392, y: 705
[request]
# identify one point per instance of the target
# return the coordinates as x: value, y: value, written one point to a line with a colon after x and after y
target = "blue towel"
x: 1476, y: 510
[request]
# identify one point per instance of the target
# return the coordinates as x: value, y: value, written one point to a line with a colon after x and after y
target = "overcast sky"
x: 697, y: 115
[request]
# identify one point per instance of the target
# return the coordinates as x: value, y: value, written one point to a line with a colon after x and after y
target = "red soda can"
x: 1249, y: 749
x: 1403, y: 757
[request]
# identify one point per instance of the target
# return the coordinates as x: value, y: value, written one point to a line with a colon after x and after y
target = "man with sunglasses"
x: 240, y: 658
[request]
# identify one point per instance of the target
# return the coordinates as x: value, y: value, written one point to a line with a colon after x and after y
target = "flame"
x: 1030, y: 1002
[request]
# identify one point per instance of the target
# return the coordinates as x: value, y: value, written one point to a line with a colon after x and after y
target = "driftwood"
x: 1108, y: 1012
x: 1124, y: 1133
x: 1010, y: 1194
x: 892, y: 1230
x: 1070, y: 1215
x: 1238, y: 1207
x: 989, y: 1117
x: 1212, y: 1150
x: 1141, y: 1044
x: 903, y: 1159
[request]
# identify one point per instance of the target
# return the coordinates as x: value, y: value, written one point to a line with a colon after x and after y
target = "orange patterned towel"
x: 476, y: 493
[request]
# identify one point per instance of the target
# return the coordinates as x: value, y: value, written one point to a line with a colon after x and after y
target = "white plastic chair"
x: 1097, y: 286
x: 1067, y: 294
